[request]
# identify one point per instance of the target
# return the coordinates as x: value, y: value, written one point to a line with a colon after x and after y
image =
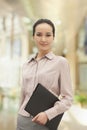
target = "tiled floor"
x: 74, y: 119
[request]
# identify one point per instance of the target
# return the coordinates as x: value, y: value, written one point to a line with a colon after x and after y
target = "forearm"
x: 59, y: 108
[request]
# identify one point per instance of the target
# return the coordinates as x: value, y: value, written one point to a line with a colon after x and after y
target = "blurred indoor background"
x: 16, y: 45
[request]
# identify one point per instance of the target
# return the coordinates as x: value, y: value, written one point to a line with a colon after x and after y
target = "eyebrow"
x: 46, y: 32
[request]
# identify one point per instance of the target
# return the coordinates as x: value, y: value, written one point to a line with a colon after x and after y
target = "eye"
x: 48, y: 35
x: 38, y: 34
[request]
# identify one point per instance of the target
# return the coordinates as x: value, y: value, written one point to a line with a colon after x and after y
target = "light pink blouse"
x: 54, y: 73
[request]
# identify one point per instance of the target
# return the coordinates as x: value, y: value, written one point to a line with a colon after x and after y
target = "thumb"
x: 35, y: 118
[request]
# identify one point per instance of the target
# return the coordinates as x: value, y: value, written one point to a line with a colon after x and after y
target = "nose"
x: 43, y: 38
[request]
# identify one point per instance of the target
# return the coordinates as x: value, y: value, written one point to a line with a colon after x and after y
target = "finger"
x: 35, y: 118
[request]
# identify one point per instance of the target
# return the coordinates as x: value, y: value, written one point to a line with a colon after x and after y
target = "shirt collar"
x: 49, y: 55
x: 32, y: 57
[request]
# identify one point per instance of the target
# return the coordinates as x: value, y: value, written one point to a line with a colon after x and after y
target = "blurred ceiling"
x: 67, y: 11
x: 68, y: 15
x: 44, y: 8
x: 9, y: 6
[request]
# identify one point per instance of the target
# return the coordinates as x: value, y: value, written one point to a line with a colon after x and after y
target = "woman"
x: 51, y: 71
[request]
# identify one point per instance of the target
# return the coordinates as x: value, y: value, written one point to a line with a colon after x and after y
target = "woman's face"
x: 43, y: 37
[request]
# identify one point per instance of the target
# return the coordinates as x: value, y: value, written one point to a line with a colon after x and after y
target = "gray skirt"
x: 25, y: 123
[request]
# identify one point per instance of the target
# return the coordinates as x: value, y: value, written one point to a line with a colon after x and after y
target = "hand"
x: 40, y: 118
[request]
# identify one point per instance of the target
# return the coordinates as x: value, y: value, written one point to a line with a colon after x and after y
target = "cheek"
x: 36, y: 40
x: 51, y: 40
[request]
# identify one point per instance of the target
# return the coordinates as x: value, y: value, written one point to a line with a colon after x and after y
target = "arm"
x: 22, y: 93
x: 22, y: 96
x: 65, y: 91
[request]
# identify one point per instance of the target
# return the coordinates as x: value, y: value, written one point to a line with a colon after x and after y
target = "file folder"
x: 41, y: 100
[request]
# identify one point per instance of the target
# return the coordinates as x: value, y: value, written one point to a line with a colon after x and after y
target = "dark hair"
x: 40, y: 21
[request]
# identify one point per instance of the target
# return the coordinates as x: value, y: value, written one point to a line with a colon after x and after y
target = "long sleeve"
x: 65, y: 91
x: 22, y: 94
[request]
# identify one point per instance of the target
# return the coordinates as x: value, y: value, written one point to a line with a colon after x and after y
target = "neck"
x: 41, y: 54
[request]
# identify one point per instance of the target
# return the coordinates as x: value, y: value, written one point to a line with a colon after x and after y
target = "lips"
x: 43, y: 44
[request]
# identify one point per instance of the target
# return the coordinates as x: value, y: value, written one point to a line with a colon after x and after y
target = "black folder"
x: 41, y: 100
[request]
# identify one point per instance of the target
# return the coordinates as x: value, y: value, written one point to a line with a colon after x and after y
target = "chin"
x: 44, y: 49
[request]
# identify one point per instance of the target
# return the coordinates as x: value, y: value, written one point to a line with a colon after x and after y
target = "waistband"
x: 30, y: 116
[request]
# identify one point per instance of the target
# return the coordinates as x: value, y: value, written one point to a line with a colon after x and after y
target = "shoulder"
x: 61, y: 60
x: 62, y: 64
x: 26, y: 62
x: 29, y: 59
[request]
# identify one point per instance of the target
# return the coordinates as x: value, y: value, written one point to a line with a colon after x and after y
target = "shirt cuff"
x: 51, y: 113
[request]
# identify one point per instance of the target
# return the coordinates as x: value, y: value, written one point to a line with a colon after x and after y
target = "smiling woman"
x: 49, y: 70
